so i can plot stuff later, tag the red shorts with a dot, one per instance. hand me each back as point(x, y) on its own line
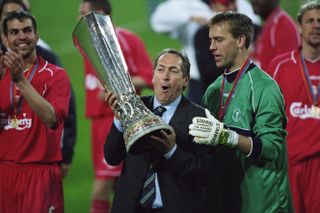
point(30, 188)
point(304, 184)
point(99, 130)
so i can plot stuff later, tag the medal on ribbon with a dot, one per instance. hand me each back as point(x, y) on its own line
point(313, 95)
point(15, 122)
point(315, 111)
point(242, 71)
point(16, 100)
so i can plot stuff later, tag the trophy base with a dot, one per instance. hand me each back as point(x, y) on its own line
point(135, 135)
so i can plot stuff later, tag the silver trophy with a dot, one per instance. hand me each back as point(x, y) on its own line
point(96, 40)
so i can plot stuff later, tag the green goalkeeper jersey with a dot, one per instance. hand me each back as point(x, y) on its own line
point(257, 183)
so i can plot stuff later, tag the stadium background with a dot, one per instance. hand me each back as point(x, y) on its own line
point(56, 21)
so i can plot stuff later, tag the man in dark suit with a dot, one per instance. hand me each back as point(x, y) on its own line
point(182, 167)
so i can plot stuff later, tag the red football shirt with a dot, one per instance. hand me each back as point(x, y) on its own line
point(303, 127)
point(138, 62)
point(32, 141)
point(279, 35)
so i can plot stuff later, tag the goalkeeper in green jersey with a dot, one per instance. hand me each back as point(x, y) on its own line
point(247, 124)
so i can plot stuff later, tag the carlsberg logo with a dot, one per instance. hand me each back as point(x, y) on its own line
point(22, 123)
point(298, 110)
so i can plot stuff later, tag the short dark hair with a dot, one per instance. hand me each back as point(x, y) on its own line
point(239, 24)
point(185, 67)
point(19, 2)
point(310, 5)
point(20, 15)
point(103, 5)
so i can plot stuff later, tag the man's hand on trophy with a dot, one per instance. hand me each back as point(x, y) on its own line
point(161, 141)
point(112, 101)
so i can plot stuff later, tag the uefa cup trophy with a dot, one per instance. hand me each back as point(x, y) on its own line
point(96, 40)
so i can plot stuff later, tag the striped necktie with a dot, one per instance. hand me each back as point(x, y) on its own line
point(148, 191)
point(159, 110)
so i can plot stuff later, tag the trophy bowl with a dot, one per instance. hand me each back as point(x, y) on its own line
point(94, 36)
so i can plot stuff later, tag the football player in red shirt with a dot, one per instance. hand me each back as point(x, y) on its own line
point(33, 106)
point(297, 73)
point(278, 34)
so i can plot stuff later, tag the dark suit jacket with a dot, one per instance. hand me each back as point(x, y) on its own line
point(182, 178)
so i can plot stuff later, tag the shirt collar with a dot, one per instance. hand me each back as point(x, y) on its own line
point(173, 104)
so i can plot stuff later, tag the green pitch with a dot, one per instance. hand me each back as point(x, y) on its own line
point(56, 20)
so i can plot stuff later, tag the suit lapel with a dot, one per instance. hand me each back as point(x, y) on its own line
point(180, 114)
point(179, 123)
point(148, 101)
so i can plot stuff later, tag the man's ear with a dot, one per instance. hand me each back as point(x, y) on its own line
point(37, 35)
point(186, 81)
point(242, 41)
point(299, 28)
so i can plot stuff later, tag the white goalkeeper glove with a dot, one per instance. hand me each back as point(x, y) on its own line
point(208, 130)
